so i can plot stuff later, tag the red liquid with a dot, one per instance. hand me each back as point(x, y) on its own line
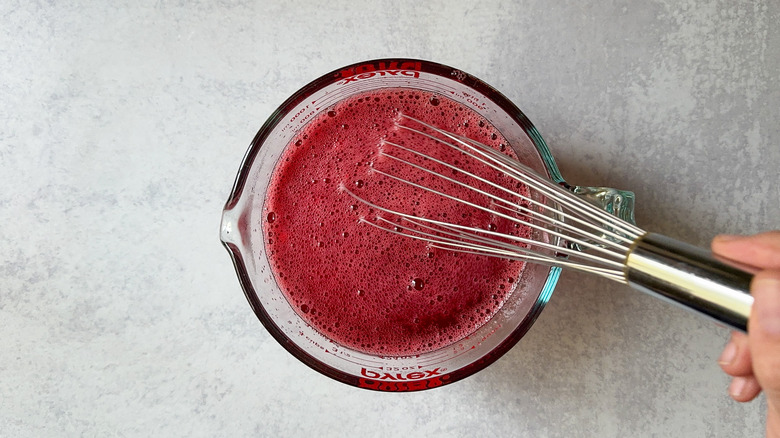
point(365, 288)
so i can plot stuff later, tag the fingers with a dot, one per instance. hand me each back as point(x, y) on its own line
point(754, 360)
point(735, 359)
point(744, 389)
point(764, 332)
point(760, 250)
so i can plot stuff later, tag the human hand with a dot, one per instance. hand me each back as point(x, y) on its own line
point(753, 359)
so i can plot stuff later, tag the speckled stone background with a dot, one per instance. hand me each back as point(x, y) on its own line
point(122, 125)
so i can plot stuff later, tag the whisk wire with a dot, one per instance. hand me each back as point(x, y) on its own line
point(524, 174)
point(558, 224)
point(468, 234)
point(556, 215)
point(537, 227)
point(462, 236)
point(512, 252)
point(559, 228)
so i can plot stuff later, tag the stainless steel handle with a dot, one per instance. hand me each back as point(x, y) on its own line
point(690, 277)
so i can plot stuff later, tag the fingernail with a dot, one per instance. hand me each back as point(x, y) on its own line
point(728, 237)
point(737, 386)
point(728, 355)
point(766, 292)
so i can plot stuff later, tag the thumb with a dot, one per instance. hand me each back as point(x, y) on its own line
point(764, 334)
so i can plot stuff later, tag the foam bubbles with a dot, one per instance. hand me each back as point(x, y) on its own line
point(365, 288)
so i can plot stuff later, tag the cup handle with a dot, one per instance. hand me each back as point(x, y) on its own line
point(617, 202)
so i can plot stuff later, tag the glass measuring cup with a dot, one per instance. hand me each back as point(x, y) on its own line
point(241, 230)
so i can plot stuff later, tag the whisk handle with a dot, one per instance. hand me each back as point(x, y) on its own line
point(690, 277)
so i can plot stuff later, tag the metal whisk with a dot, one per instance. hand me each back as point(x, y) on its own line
point(568, 231)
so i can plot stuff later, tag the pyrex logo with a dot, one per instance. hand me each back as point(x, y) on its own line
point(413, 74)
point(401, 382)
point(391, 68)
point(414, 375)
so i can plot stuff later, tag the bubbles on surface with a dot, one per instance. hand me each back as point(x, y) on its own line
point(363, 288)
